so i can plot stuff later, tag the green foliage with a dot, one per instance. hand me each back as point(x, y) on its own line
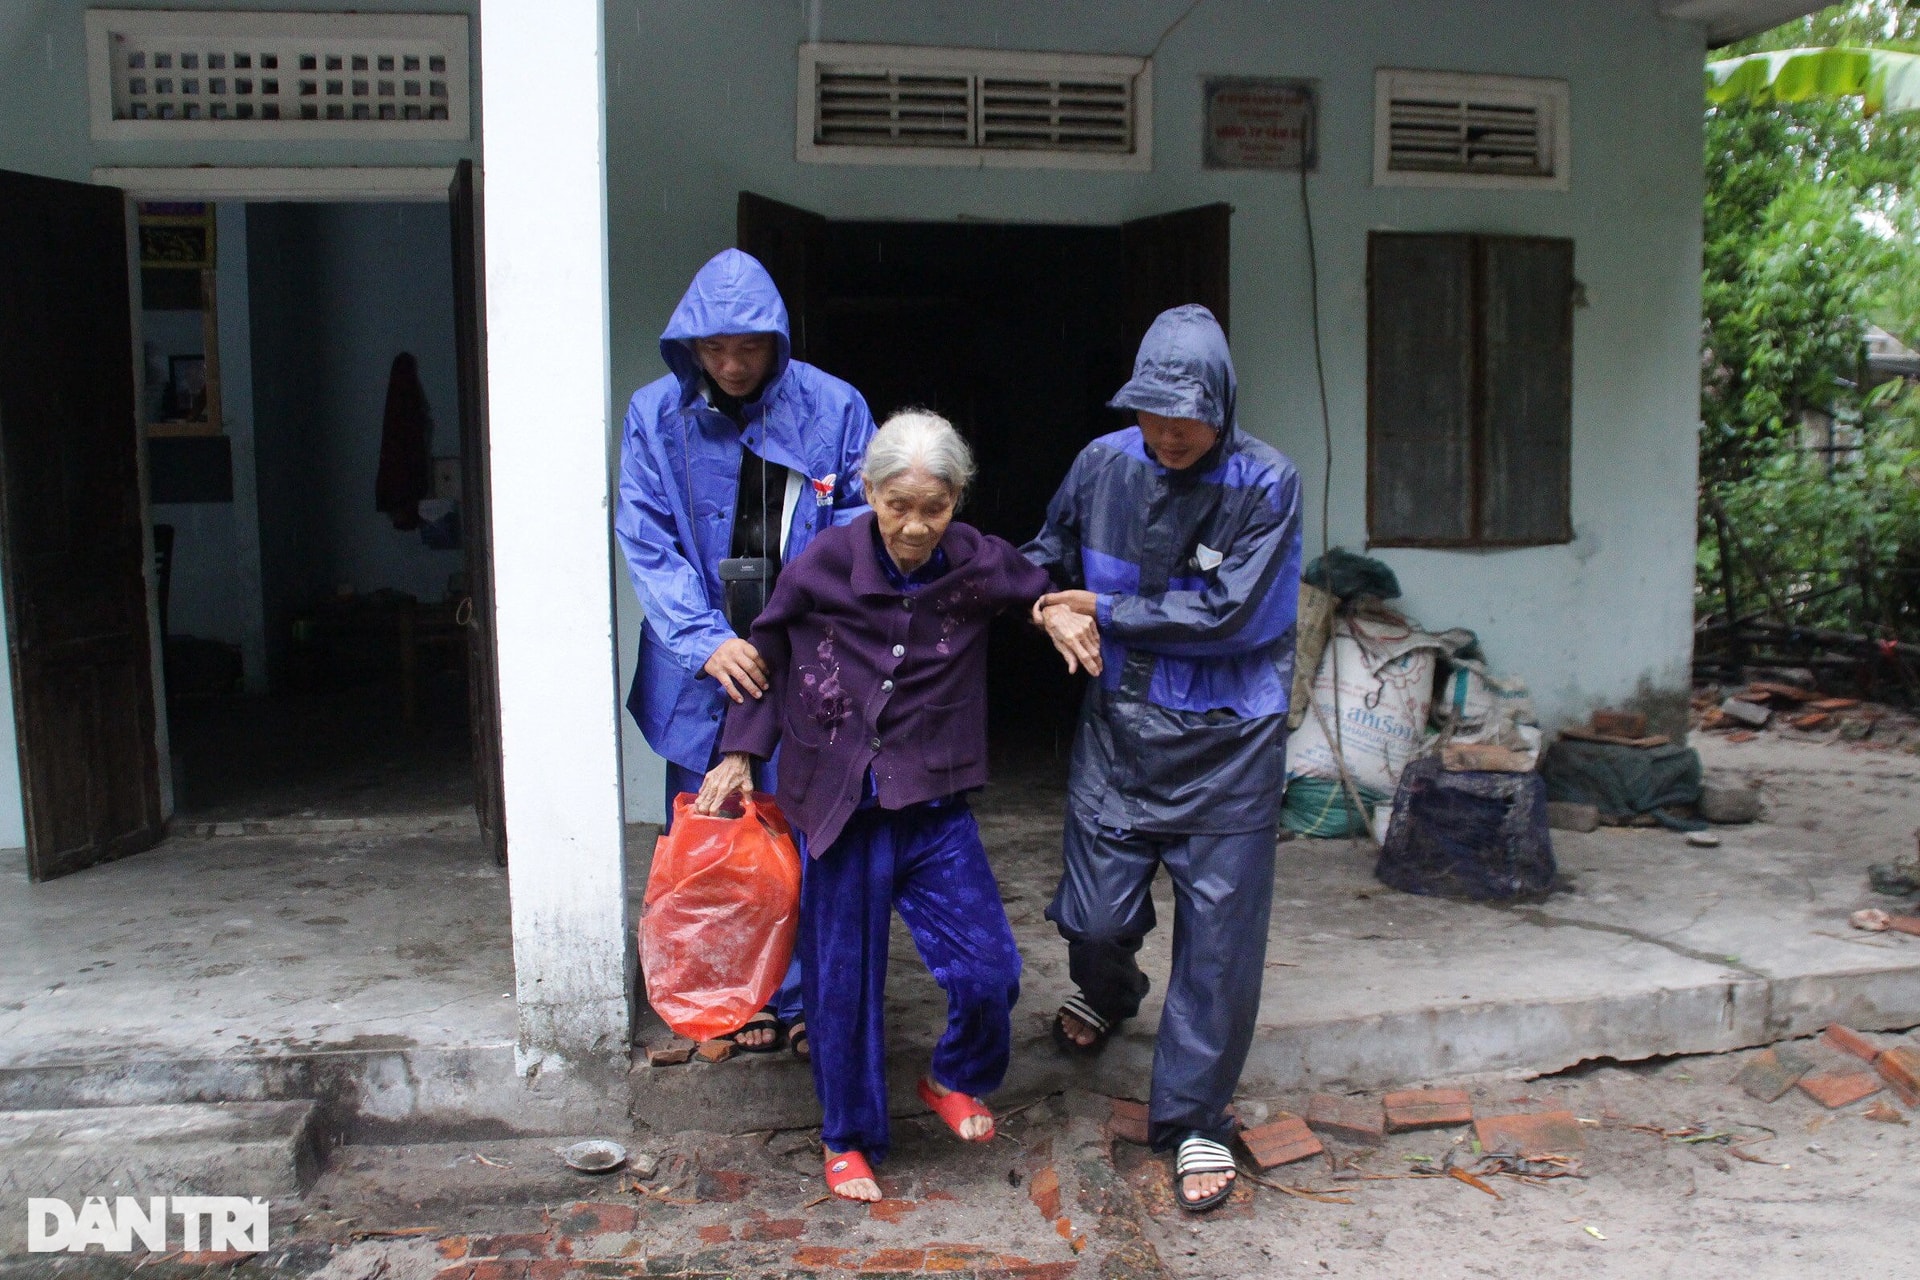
point(1811, 225)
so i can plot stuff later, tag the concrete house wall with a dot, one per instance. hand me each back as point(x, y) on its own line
point(700, 105)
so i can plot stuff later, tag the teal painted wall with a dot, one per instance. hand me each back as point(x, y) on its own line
point(700, 104)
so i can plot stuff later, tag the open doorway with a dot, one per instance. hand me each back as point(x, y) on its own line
point(1017, 333)
point(304, 470)
point(306, 397)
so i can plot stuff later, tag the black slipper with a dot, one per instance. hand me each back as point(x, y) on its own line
point(797, 1041)
point(1076, 1007)
point(1197, 1155)
point(758, 1021)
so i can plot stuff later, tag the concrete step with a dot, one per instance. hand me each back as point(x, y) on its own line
point(274, 1150)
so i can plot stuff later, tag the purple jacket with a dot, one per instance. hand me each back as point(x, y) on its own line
point(866, 676)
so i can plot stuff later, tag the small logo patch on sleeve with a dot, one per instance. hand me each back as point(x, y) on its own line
point(823, 490)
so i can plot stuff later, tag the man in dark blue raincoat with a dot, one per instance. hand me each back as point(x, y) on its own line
point(730, 464)
point(1179, 540)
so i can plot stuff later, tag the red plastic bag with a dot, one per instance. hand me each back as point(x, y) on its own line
point(722, 909)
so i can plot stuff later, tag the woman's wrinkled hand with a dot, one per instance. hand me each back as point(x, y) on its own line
point(732, 776)
point(1075, 635)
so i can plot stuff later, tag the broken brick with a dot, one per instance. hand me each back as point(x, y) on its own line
point(715, 1050)
point(1282, 1140)
point(1536, 1133)
point(1426, 1109)
point(1849, 1041)
point(1901, 1068)
point(1063, 1227)
point(1044, 1190)
point(895, 1260)
point(955, 1257)
point(1835, 1089)
point(1809, 720)
point(819, 1256)
point(591, 1218)
point(1129, 1121)
point(1834, 704)
point(671, 1054)
point(1742, 735)
point(719, 1233)
point(1771, 1072)
point(1884, 1113)
point(1620, 724)
point(1354, 1119)
point(891, 1210)
point(773, 1229)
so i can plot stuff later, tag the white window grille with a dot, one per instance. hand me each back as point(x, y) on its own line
point(896, 104)
point(1448, 129)
point(166, 74)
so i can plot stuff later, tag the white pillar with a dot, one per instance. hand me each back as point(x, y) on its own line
point(544, 211)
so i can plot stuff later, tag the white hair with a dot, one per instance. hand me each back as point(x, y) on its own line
point(918, 438)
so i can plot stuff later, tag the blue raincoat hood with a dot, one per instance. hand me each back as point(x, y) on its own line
point(1183, 370)
point(731, 294)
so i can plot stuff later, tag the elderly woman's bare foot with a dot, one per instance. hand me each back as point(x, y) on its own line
point(965, 1115)
point(850, 1177)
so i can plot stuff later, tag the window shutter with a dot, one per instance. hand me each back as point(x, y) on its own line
point(1526, 440)
point(1469, 390)
point(1419, 389)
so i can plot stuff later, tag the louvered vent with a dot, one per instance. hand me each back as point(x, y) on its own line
point(1434, 129)
point(1061, 115)
point(1447, 135)
point(171, 74)
point(882, 108)
point(884, 104)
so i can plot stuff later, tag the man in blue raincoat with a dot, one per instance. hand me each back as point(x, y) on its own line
point(1178, 540)
point(729, 466)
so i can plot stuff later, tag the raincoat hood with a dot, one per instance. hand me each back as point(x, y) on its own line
point(731, 294)
point(1183, 370)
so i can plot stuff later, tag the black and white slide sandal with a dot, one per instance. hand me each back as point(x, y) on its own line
point(1076, 1007)
point(1198, 1155)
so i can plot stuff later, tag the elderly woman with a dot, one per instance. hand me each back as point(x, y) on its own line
point(876, 641)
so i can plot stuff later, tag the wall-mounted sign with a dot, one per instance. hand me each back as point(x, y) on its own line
point(1261, 123)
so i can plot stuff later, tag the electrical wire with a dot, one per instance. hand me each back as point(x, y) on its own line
point(1335, 739)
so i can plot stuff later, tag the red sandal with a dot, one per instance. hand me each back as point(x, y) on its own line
point(953, 1107)
point(847, 1167)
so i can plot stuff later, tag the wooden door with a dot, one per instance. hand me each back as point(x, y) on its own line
point(1172, 259)
point(72, 541)
point(788, 243)
point(476, 527)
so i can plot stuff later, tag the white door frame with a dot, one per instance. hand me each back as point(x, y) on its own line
point(418, 184)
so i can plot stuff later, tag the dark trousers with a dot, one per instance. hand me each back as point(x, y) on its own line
point(927, 863)
point(786, 1004)
point(1223, 895)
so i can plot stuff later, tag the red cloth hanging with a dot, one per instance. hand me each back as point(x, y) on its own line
point(406, 446)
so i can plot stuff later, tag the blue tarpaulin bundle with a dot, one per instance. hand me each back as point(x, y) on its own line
point(1481, 836)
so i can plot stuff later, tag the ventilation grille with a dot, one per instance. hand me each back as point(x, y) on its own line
point(1059, 115)
point(1436, 128)
point(159, 74)
point(881, 108)
point(1437, 135)
point(873, 104)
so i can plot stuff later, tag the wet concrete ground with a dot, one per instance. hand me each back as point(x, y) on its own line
point(1678, 1173)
